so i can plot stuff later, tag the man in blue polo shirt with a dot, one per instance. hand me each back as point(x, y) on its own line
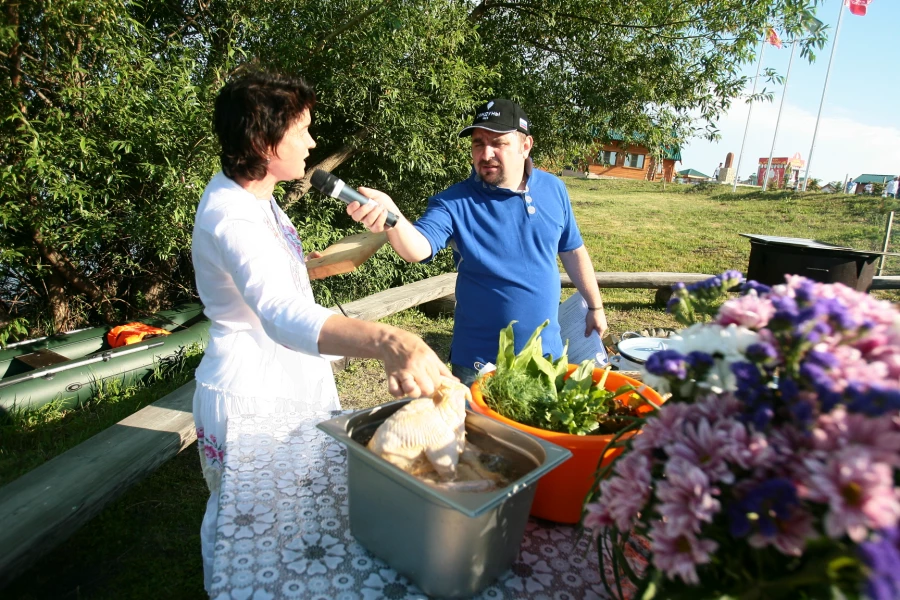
point(506, 224)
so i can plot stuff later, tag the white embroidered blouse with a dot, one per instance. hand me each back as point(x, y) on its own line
point(255, 289)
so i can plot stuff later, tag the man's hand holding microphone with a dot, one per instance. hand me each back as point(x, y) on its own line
point(377, 212)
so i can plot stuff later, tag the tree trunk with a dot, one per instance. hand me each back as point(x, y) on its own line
point(74, 278)
point(154, 286)
point(58, 300)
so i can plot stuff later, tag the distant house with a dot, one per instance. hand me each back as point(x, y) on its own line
point(632, 162)
point(862, 180)
point(784, 172)
point(693, 176)
point(830, 189)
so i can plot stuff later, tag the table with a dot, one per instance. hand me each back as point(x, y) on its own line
point(283, 529)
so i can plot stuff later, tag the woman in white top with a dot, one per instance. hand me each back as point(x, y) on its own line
point(268, 336)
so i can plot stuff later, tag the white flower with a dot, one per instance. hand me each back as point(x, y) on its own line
point(726, 345)
point(244, 520)
point(388, 584)
point(730, 342)
point(529, 574)
point(313, 553)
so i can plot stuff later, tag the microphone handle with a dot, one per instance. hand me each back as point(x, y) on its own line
point(348, 195)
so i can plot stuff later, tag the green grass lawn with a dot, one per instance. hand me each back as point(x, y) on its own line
point(146, 544)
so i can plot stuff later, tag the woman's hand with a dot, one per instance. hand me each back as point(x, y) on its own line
point(412, 367)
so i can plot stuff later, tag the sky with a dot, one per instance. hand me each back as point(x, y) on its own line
point(859, 131)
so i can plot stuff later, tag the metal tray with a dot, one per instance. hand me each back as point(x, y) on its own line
point(451, 544)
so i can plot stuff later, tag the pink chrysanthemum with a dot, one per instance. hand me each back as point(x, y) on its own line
point(747, 449)
point(748, 311)
point(623, 495)
point(660, 429)
point(839, 429)
point(859, 492)
point(705, 446)
point(678, 555)
point(685, 497)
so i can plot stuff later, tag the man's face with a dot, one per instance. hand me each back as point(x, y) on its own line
point(288, 161)
point(499, 158)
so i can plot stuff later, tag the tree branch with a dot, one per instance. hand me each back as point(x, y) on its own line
point(481, 10)
point(327, 164)
point(349, 25)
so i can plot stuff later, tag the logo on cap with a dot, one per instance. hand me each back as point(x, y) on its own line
point(490, 104)
point(523, 124)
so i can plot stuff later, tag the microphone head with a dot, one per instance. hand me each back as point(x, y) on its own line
point(324, 182)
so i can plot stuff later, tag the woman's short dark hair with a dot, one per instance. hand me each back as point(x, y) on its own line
point(252, 114)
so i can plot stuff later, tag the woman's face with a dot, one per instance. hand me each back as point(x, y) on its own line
point(288, 161)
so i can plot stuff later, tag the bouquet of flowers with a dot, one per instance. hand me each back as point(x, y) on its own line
point(772, 470)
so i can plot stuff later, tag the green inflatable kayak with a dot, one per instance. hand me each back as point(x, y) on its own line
point(69, 367)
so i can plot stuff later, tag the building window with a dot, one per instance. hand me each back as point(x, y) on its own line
point(635, 161)
point(606, 158)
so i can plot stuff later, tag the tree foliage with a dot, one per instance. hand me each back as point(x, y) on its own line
point(105, 138)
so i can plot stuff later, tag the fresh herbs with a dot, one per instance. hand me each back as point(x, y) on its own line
point(532, 389)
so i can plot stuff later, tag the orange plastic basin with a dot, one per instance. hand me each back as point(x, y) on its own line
point(561, 492)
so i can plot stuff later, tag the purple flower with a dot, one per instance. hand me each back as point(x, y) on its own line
point(755, 286)
point(785, 310)
point(882, 556)
point(790, 535)
point(667, 363)
point(803, 290)
point(762, 507)
point(747, 449)
point(874, 401)
point(762, 353)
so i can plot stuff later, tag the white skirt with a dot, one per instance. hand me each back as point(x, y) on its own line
point(212, 406)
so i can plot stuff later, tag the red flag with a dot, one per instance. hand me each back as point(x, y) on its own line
point(772, 37)
point(858, 7)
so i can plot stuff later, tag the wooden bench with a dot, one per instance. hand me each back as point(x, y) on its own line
point(45, 506)
point(886, 282)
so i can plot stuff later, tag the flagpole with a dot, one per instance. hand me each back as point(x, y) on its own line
point(778, 120)
point(737, 171)
point(837, 31)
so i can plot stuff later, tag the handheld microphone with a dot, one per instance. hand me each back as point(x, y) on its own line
point(330, 185)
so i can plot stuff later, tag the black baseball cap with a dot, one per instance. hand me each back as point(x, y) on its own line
point(499, 115)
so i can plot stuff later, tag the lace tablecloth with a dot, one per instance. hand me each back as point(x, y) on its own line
point(284, 530)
